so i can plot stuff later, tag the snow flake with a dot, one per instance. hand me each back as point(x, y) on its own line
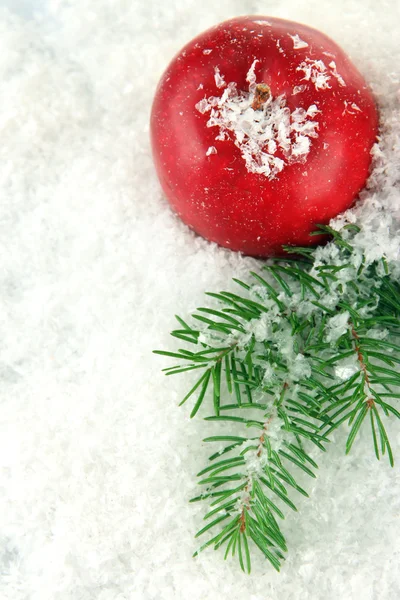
point(377, 334)
point(345, 371)
point(334, 72)
point(298, 89)
point(300, 368)
point(207, 51)
point(251, 76)
point(355, 108)
point(211, 150)
point(337, 326)
point(219, 79)
point(203, 106)
point(313, 110)
point(278, 45)
point(317, 72)
point(298, 43)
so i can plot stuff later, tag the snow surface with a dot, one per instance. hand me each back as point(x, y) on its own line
point(97, 463)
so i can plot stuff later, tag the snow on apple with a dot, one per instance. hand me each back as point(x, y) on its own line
point(263, 22)
point(334, 72)
point(298, 43)
point(298, 89)
point(211, 150)
point(317, 72)
point(219, 79)
point(261, 135)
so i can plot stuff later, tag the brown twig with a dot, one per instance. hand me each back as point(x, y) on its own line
point(363, 367)
point(262, 437)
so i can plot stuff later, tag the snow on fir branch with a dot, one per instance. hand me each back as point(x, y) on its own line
point(310, 344)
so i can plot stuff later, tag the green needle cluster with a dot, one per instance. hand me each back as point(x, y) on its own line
point(308, 345)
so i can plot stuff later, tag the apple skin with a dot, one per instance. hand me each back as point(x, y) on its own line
point(216, 194)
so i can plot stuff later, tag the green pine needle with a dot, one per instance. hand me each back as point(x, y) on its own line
point(303, 349)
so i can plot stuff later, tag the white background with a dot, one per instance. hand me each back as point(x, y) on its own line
point(97, 462)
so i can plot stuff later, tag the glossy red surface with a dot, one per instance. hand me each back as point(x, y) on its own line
point(216, 195)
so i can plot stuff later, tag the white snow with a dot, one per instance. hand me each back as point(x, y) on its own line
point(251, 77)
point(298, 43)
point(315, 71)
point(354, 108)
point(298, 89)
point(318, 73)
point(300, 368)
point(345, 369)
point(97, 462)
point(278, 45)
point(265, 22)
point(334, 72)
point(259, 134)
point(337, 326)
point(219, 79)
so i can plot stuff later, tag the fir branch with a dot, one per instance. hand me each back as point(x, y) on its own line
point(307, 347)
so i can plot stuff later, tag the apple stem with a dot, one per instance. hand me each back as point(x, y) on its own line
point(261, 96)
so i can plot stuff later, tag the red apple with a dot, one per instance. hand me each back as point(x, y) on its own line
point(261, 129)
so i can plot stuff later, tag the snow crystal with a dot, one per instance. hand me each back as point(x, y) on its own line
point(207, 51)
point(254, 465)
point(329, 54)
point(274, 429)
point(203, 106)
point(219, 79)
point(251, 77)
point(298, 89)
point(318, 73)
point(300, 368)
point(263, 23)
point(301, 146)
point(211, 150)
point(261, 328)
point(337, 326)
point(298, 43)
point(334, 72)
point(315, 71)
point(354, 108)
point(345, 369)
point(312, 110)
point(269, 374)
point(278, 45)
point(259, 134)
point(377, 334)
